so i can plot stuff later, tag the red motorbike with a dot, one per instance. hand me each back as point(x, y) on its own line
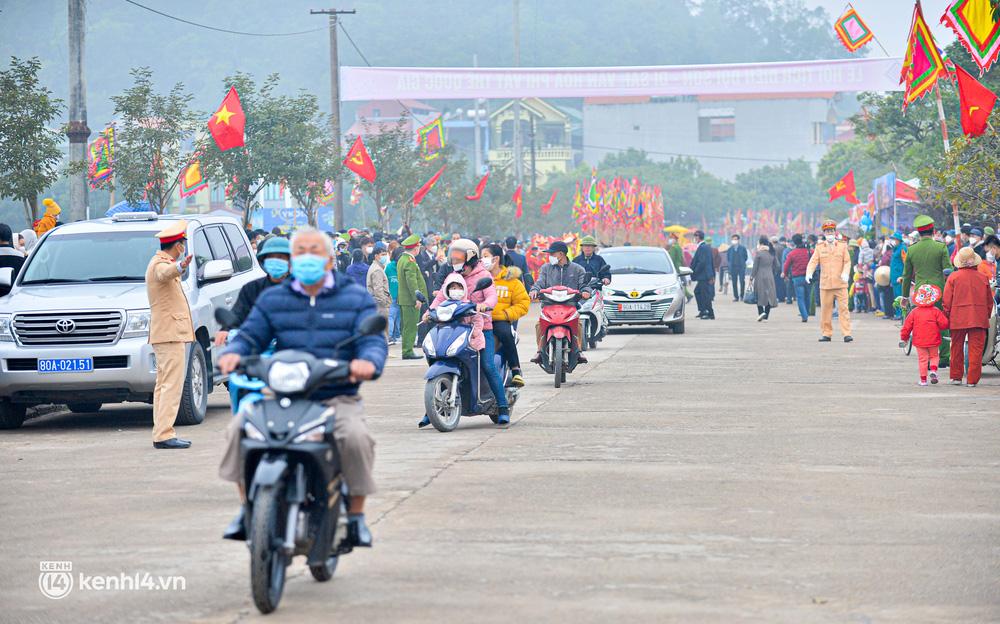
point(559, 323)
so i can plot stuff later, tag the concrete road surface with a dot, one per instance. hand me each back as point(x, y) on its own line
point(741, 472)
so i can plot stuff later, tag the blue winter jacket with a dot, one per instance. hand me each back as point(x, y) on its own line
point(359, 273)
point(314, 325)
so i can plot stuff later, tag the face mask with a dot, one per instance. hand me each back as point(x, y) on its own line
point(948, 239)
point(735, 241)
point(458, 266)
point(990, 257)
point(456, 294)
point(487, 263)
point(309, 269)
point(368, 250)
point(553, 260)
point(973, 241)
point(433, 249)
point(383, 260)
point(276, 267)
point(831, 237)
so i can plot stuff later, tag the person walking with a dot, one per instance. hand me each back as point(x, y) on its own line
point(926, 261)
point(170, 331)
point(737, 256)
point(393, 277)
point(703, 272)
point(762, 279)
point(834, 264)
point(794, 269)
point(723, 278)
point(377, 282)
point(411, 281)
point(967, 302)
point(10, 258)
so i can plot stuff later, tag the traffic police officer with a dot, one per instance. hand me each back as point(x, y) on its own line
point(834, 263)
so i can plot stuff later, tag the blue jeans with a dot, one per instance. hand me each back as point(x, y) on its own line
point(799, 283)
point(394, 322)
point(492, 374)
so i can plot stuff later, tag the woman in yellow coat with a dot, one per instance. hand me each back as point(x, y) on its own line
point(50, 218)
point(512, 304)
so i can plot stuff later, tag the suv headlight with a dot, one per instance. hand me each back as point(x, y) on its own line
point(6, 331)
point(287, 377)
point(607, 291)
point(136, 324)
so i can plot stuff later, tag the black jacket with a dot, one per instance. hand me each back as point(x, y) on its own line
point(248, 297)
point(596, 265)
point(10, 258)
point(702, 268)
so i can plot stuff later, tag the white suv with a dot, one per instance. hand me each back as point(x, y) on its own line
point(75, 327)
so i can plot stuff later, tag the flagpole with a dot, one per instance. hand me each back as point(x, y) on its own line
point(947, 147)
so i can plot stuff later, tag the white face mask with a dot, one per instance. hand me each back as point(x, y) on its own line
point(735, 241)
point(433, 249)
point(973, 241)
point(368, 250)
point(458, 266)
point(990, 257)
point(831, 237)
point(488, 263)
point(456, 294)
point(553, 260)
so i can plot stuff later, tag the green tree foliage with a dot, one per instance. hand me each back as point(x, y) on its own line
point(152, 130)
point(29, 147)
point(399, 169)
point(855, 154)
point(782, 189)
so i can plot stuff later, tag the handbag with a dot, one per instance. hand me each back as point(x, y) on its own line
point(750, 296)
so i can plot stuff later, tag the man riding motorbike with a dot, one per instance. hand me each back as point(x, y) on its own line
point(560, 272)
point(313, 312)
point(592, 261)
point(273, 257)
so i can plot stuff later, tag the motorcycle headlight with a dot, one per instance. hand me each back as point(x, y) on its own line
point(136, 324)
point(666, 290)
point(315, 434)
point(288, 377)
point(428, 345)
point(456, 344)
point(6, 334)
point(252, 432)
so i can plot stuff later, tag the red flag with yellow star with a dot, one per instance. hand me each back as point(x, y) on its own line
point(227, 123)
point(977, 103)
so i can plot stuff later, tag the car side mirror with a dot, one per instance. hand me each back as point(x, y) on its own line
point(217, 270)
point(483, 284)
point(684, 271)
point(6, 276)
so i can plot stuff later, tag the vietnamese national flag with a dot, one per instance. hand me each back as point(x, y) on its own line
point(548, 206)
point(844, 188)
point(977, 103)
point(360, 162)
point(423, 190)
point(479, 188)
point(517, 202)
point(226, 124)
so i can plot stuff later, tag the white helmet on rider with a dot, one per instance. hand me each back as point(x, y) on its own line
point(462, 253)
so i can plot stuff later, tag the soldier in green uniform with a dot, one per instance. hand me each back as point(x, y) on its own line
point(411, 280)
point(926, 262)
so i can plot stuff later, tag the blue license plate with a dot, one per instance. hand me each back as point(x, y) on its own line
point(66, 365)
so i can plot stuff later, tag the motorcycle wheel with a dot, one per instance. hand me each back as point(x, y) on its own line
point(557, 361)
point(584, 334)
point(267, 561)
point(324, 571)
point(437, 391)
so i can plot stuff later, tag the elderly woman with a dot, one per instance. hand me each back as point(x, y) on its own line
point(967, 303)
point(762, 279)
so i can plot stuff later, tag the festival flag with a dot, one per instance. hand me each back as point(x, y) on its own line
point(974, 24)
point(592, 194)
point(191, 179)
point(423, 190)
point(923, 64)
point(431, 139)
point(101, 155)
point(976, 101)
point(904, 192)
point(546, 207)
point(360, 162)
point(517, 203)
point(480, 187)
point(844, 188)
point(852, 30)
point(356, 192)
point(226, 124)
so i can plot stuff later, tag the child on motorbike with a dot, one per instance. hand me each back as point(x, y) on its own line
point(926, 323)
point(454, 289)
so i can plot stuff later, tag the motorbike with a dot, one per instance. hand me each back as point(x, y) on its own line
point(242, 387)
point(558, 326)
point(456, 383)
point(593, 322)
point(296, 495)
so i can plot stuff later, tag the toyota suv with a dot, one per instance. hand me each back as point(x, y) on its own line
point(75, 327)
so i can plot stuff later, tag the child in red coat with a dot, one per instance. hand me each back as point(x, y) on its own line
point(925, 322)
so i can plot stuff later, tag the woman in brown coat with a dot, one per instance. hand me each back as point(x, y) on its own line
point(967, 302)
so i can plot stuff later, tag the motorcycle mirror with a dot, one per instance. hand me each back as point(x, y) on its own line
point(226, 318)
point(419, 296)
point(374, 324)
point(483, 284)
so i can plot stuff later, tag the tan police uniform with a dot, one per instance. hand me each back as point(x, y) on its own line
point(833, 260)
point(170, 329)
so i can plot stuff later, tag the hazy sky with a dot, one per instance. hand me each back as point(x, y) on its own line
point(890, 20)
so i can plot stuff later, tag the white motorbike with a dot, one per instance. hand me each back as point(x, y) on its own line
point(593, 321)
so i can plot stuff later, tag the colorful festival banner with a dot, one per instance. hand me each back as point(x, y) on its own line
point(191, 179)
point(431, 139)
point(923, 64)
point(852, 30)
point(100, 159)
point(973, 23)
point(619, 205)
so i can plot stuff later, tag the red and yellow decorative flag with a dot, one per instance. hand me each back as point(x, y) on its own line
point(423, 190)
point(480, 187)
point(431, 139)
point(360, 162)
point(517, 203)
point(227, 123)
point(979, 32)
point(977, 103)
point(844, 188)
point(923, 64)
point(100, 161)
point(191, 179)
point(547, 206)
point(852, 30)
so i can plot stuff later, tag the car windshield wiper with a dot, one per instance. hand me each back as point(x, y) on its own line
point(118, 278)
point(52, 280)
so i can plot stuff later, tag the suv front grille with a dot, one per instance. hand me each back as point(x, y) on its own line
point(70, 328)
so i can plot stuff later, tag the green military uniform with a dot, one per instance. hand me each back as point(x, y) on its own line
point(411, 280)
point(677, 257)
point(926, 261)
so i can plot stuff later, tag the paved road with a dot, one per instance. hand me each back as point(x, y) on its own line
point(739, 473)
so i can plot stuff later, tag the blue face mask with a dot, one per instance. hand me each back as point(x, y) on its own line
point(277, 268)
point(383, 260)
point(308, 268)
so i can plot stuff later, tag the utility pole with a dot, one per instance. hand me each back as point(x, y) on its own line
point(338, 194)
point(533, 180)
point(77, 130)
point(518, 160)
point(477, 140)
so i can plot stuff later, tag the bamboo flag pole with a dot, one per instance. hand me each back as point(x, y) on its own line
point(947, 148)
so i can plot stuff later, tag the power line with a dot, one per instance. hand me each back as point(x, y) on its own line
point(354, 45)
point(749, 158)
point(223, 30)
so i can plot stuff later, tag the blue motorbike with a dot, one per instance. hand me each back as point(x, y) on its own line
point(456, 380)
point(242, 387)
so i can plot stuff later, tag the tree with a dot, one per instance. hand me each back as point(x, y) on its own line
point(400, 170)
point(310, 159)
point(859, 155)
point(29, 148)
point(782, 188)
point(152, 130)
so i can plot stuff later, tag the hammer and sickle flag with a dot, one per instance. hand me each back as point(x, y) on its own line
point(977, 103)
point(844, 188)
point(360, 162)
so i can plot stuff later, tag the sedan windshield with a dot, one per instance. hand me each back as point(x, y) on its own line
point(91, 257)
point(636, 261)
